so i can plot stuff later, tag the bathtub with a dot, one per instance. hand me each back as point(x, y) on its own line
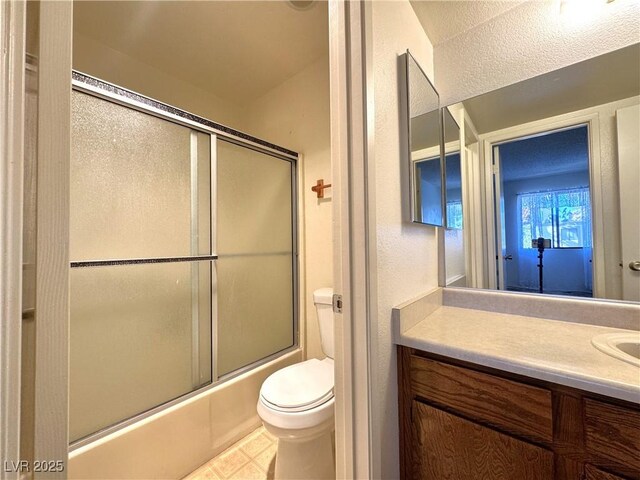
point(173, 442)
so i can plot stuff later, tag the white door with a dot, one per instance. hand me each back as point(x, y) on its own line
point(628, 120)
point(501, 254)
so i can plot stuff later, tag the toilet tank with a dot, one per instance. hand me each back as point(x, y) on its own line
point(323, 299)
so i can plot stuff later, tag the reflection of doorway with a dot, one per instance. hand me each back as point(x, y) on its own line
point(542, 189)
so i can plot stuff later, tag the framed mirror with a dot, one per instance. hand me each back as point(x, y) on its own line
point(552, 166)
point(425, 160)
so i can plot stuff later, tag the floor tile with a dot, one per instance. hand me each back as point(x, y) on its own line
point(256, 444)
point(249, 472)
point(252, 457)
point(203, 473)
point(229, 462)
point(274, 439)
point(267, 459)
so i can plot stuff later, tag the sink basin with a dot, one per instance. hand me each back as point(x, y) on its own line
point(623, 346)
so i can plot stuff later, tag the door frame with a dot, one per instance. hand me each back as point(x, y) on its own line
point(50, 410)
point(628, 159)
point(498, 197)
point(12, 92)
point(352, 130)
point(541, 127)
point(51, 438)
point(351, 144)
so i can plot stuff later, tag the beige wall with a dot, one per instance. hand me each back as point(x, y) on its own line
point(296, 115)
point(528, 40)
point(407, 255)
point(454, 257)
point(99, 60)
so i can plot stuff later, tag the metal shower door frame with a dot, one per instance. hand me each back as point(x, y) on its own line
point(112, 93)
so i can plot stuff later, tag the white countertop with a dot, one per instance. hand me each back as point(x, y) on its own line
point(552, 350)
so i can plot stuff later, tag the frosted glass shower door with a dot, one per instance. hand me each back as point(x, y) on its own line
point(140, 237)
point(256, 257)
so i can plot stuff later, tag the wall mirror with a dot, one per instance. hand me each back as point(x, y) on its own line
point(425, 162)
point(550, 169)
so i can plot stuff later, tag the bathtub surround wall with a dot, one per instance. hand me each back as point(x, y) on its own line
point(407, 254)
point(181, 438)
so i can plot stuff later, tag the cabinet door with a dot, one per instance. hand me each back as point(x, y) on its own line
point(612, 434)
point(593, 473)
point(446, 446)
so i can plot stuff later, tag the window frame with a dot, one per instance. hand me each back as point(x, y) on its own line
point(555, 217)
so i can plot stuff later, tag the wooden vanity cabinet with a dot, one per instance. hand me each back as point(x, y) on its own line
point(593, 473)
point(462, 421)
point(449, 446)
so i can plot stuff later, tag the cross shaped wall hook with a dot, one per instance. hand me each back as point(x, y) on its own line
point(319, 188)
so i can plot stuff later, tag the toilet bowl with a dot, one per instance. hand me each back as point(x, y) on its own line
point(296, 406)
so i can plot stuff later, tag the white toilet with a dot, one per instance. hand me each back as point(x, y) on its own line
point(296, 405)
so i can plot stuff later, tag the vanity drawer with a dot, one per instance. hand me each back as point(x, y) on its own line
point(612, 432)
point(505, 404)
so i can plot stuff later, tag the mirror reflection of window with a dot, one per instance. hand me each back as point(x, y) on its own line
point(563, 216)
point(429, 190)
point(454, 215)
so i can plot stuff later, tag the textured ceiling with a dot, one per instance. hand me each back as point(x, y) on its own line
point(597, 81)
point(557, 153)
point(446, 19)
point(530, 39)
point(237, 50)
point(423, 98)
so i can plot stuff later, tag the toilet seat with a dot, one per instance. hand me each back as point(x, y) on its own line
point(299, 396)
point(299, 387)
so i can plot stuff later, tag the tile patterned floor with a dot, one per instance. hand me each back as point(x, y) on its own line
point(252, 458)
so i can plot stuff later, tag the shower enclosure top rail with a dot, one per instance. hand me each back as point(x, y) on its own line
point(87, 83)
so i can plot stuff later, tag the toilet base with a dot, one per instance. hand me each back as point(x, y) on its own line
point(309, 459)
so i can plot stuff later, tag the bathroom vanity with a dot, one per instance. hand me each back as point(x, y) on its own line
point(486, 393)
point(461, 420)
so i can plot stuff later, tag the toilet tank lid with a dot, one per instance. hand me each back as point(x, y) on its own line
point(323, 296)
